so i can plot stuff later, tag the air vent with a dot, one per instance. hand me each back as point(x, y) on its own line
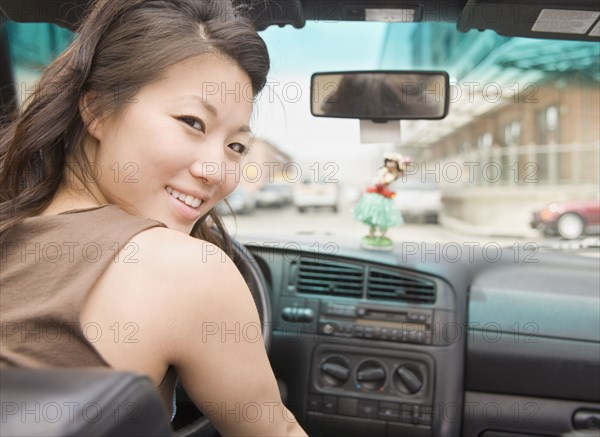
point(329, 278)
point(390, 285)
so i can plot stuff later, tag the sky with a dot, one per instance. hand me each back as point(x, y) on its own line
point(283, 111)
point(319, 45)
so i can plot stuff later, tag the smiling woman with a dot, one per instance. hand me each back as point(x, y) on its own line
point(124, 150)
point(186, 150)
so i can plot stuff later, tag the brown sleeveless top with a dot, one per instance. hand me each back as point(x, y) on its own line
point(48, 266)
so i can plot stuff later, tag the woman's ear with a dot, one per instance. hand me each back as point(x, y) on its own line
point(92, 123)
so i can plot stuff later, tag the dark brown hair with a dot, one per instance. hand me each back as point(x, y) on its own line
point(121, 46)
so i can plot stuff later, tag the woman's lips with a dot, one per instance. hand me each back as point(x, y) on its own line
point(186, 211)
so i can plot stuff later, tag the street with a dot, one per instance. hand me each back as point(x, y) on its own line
point(288, 221)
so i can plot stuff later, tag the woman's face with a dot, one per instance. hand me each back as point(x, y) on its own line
point(176, 150)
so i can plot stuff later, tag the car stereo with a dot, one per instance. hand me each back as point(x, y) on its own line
point(364, 321)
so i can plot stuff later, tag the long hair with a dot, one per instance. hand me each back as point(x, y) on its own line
point(121, 46)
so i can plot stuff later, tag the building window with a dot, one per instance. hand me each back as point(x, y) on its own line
point(512, 134)
point(485, 141)
point(484, 146)
point(548, 133)
point(548, 125)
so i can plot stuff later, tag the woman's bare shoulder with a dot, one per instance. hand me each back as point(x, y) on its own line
point(168, 282)
point(185, 267)
point(175, 249)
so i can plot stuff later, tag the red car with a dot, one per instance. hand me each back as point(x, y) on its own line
point(569, 219)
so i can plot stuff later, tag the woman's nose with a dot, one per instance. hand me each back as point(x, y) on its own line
point(212, 166)
point(208, 171)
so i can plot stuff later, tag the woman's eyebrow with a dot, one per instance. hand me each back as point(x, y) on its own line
point(210, 108)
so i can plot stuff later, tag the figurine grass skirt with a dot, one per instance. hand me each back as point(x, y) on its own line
point(376, 210)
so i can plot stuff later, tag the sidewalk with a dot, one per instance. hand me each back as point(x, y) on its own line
point(520, 231)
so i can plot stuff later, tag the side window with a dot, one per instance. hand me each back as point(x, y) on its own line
point(32, 47)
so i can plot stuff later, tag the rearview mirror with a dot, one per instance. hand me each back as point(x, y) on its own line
point(380, 95)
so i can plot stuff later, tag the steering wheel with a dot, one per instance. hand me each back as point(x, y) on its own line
point(252, 274)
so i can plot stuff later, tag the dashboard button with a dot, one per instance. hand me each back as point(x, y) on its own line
point(428, 338)
point(347, 406)
point(327, 328)
point(367, 409)
point(388, 411)
point(314, 402)
point(305, 315)
point(412, 317)
point(329, 405)
point(406, 413)
point(416, 414)
point(426, 419)
point(288, 314)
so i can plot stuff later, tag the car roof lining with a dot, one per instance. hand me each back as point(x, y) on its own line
point(508, 18)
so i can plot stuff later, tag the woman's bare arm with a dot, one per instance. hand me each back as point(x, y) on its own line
point(212, 332)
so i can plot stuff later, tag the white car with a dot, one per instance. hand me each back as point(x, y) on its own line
point(417, 199)
point(311, 194)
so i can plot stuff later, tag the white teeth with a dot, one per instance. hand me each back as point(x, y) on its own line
point(192, 201)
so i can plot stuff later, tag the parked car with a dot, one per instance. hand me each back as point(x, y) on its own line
point(569, 219)
point(241, 201)
point(311, 194)
point(417, 199)
point(274, 194)
point(436, 339)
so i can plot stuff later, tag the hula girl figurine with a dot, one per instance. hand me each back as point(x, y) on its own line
point(376, 206)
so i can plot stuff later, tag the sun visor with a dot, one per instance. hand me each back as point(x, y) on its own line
point(553, 19)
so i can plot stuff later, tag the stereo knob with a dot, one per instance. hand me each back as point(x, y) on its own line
point(408, 379)
point(328, 328)
point(335, 371)
point(371, 375)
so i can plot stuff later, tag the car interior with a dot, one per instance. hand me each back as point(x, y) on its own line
point(409, 342)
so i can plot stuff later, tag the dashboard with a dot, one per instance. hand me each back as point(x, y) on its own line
point(424, 344)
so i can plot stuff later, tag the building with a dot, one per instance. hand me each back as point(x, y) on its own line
point(514, 123)
point(266, 163)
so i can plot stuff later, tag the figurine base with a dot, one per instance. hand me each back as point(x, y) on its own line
point(377, 243)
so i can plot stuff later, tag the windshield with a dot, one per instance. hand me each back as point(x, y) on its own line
point(515, 160)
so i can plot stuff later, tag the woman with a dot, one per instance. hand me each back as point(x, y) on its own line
point(109, 175)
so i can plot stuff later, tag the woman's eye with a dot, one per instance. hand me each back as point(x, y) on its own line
point(238, 148)
point(193, 122)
